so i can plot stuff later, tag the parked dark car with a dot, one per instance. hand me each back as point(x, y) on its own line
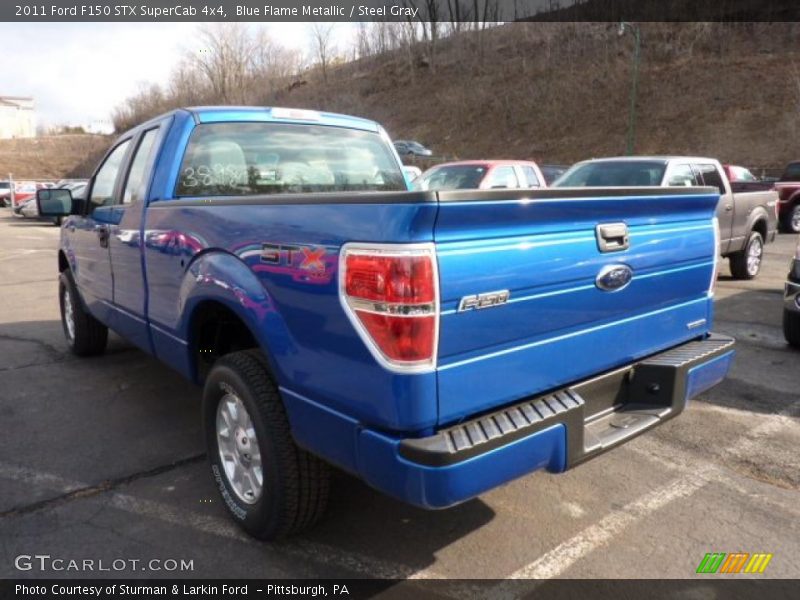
point(410, 148)
point(791, 306)
point(788, 187)
point(552, 172)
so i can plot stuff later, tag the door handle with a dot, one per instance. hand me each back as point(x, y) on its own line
point(728, 207)
point(102, 235)
point(612, 237)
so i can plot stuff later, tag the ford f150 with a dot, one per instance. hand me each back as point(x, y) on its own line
point(435, 344)
point(748, 218)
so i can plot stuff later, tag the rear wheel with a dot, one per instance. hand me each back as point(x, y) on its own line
point(747, 263)
point(791, 220)
point(791, 327)
point(271, 487)
point(85, 335)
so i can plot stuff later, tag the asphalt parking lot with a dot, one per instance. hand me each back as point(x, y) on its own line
point(103, 458)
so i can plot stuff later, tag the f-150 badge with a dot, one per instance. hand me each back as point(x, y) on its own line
point(485, 300)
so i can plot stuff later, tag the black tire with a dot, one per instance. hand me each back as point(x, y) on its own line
point(89, 336)
point(741, 265)
point(791, 327)
point(295, 487)
point(790, 222)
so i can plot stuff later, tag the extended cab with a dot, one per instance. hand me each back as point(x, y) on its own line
point(747, 219)
point(435, 344)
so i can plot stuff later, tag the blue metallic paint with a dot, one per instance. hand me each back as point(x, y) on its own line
point(703, 377)
point(439, 487)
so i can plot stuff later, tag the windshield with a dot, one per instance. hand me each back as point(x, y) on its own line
point(454, 177)
point(240, 159)
point(792, 172)
point(609, 173)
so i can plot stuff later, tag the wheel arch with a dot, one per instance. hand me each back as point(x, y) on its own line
point(219, 290)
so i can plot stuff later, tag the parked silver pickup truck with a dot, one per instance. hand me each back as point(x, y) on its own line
point(747, 219)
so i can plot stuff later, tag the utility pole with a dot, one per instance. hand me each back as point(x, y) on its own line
point(634, 29)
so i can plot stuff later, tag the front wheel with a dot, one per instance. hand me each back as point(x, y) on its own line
point(791, 327)
point(85, 335)
point(271, 487)
point(746, 264)
point(791, 220)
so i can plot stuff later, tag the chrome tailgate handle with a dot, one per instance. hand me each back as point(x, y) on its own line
point(612, 237)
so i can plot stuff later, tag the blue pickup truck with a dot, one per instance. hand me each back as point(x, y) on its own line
point(435, 344)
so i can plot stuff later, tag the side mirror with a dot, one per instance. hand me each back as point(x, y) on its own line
point(54, 203)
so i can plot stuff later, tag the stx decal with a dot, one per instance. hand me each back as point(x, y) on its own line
point(309, 259)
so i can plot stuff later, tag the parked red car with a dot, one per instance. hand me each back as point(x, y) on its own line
point(482, 175)
point(24, 191)
point(788, 187)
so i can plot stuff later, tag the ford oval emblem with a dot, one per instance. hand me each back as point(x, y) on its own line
point(613, 278)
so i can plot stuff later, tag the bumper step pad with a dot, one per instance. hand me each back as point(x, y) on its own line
point(598, 413)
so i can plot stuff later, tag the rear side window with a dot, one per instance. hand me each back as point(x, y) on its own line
point(683, 175)
point(503, 177)
point(530, 175)
point(711, 177)
point(241, 159)
point(133, 187)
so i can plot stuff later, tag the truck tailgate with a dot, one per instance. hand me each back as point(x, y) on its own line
point(573, 310)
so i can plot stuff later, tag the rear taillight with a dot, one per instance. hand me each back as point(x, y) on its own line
point(717, 256)
point(390, 292)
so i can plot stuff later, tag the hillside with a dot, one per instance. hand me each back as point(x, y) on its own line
point(554, 92)
point(50, 157)
point(560, 92)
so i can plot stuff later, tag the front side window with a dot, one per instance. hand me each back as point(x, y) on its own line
point(243, 159)
point(106, 178)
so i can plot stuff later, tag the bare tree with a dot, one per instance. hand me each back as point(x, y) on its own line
point(226, 58)
point(322, 44)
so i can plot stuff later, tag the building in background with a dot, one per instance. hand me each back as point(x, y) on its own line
point(17, 117)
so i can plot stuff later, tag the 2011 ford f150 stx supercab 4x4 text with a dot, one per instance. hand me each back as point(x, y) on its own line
point(435, 344)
